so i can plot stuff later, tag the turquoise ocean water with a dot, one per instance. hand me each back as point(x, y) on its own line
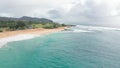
point(81, 47)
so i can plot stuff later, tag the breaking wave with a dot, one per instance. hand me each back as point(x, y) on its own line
point(97, 28)
point(20, 37)
point(81, 28)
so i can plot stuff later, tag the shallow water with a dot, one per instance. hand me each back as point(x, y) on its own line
point(89, 48)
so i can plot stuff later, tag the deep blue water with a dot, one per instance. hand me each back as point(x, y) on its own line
point(97, 48)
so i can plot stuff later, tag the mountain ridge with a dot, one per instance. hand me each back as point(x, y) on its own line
point(25, 18)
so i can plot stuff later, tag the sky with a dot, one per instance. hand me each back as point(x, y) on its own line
point(65, 11)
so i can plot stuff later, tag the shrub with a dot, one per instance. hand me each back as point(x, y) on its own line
point(1, 30)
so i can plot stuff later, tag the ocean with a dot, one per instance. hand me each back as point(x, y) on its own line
point(78, 47)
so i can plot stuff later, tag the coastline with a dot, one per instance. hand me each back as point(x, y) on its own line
point(18, 35)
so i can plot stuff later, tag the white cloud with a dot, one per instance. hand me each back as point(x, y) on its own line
point(79, 11)
point(95, 12)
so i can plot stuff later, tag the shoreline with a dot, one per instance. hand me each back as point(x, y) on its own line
point(11, 36)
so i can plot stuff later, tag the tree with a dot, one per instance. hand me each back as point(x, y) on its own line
point(20, 25)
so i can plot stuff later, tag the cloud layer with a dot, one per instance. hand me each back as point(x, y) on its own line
point(74, 11)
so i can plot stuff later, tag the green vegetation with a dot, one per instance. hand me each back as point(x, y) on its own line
point(1, 30)
point(37, 26)
point(20, 25)
point(51, 25)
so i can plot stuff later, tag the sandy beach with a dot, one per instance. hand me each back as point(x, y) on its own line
point(39, 31)
point(18, 35)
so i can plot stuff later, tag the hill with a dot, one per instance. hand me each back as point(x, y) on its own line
point(25, 18)
point(11, 24)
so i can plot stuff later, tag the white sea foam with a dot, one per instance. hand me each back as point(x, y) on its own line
point(96, 28)
point(4, 41)
point(79, 30)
